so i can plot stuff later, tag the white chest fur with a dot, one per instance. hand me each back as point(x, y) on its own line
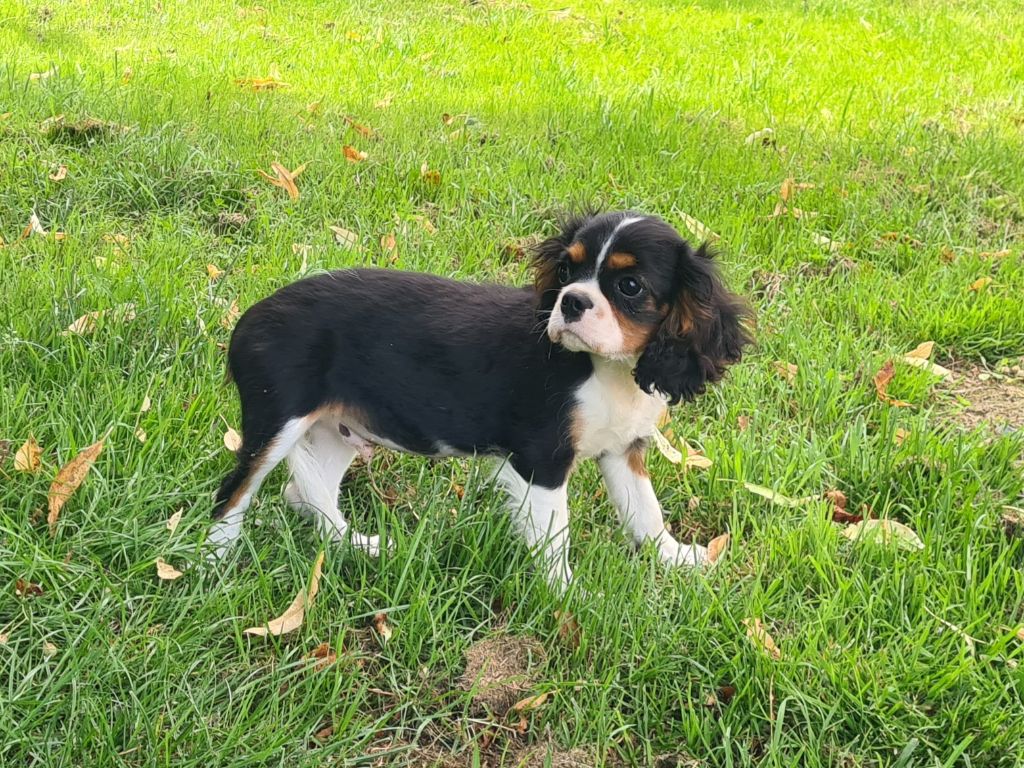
point(612, 411)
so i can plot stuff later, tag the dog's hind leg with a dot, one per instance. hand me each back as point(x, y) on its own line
point(318, 463)
point(261, 451)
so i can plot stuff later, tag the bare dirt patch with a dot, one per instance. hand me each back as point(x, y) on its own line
point(500, 670)
point(987, 400)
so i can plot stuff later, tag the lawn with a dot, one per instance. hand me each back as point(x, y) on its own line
point(901, 129)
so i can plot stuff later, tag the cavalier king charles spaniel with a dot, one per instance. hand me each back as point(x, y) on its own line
point(624, 319)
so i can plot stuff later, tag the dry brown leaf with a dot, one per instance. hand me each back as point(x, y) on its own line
point(146, 405)
point(530, 702)
point(323, 656)
point(231, 315)
point(214, 272)
point(787, 188)
point(788, 371)
point(569, 631)
point(284, 178)
point(698, 228)
point(87, 323)
point(759, 636)
point(271, 83)
point(232, 440)
point(900, 435)
point(363, 130)
point(60, 174)
point(68, 479)
point(173, 520)
point(23, 588)
point(429, 175)
point(919, 357)
point(980, 284)
point(324, 733)
point(881, 381)
point(994, 255)
point(140, 434)
point(34, 227)
point(887, 531)
point(345, 237)
point(665, 448)
point(922, 351)
point(49, 649)
point(293, 616)
point(352, 154)
point(380, 624)
point(717, 547)
point(826, 242)
point(28, 457)
point(695, 458)
point(389, 243)
point(167, 572)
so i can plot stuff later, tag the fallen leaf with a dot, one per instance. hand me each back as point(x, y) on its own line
point(881, 381)
point(284, 178)
point(167, 572)
point(37, 76)
point(271, 83)
point(569, 631)
point(214, 272)
point(87, 323)
point(60, 174)
point(146, 405)
point(314, 106)
point(119, 241)
point(788, 371)
point(665, 448)
point(430, 176)
point(427, 224)
point(889, 531)
point(324, 733)
point(994, 255)
point(922, 351)
point(698, 228)
point(743, 422)
point(28, 456)
point(759, 636)
point(4, 637)
point(717, 547)
point(695, 458)
point(49, 649)
point(352, 154)
point(231, 315)
point(389, 243)
point(380, 624)
point(530, 702)
point(34, 227)
point(839, 513)
point(24, 588)
point(826, 242)
point(720, 697)
point(384, 102)
point(363, 130)
point(777, 498)
point(173, 520)
point(293, 616)
point(140, 434)
point(900, 435)
point(323, 656)
point(763, 137)
point(345, 237)
point(918, 357)
point(68, 479)
point(980, 284)
point(232, 440)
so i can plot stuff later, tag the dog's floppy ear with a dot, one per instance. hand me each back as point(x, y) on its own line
point(703, 333)
point(546, 257)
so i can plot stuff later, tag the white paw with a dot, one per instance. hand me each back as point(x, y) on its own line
point(682, 555)
point(371, 545)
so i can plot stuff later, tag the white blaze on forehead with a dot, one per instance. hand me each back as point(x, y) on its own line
point(608, 243)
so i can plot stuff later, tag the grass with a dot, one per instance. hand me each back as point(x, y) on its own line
point(907, 119)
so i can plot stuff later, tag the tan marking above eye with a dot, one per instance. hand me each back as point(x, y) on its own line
point(619, 260)
point(577, 253)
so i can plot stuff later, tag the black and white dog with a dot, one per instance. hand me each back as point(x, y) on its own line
point(624, 319)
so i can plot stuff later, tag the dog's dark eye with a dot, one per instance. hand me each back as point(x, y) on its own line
point(563, 273)
point(630, 286)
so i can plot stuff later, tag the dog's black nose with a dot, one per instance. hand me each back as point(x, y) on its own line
point(574, 305)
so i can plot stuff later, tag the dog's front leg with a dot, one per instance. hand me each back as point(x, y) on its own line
point(630, 489)
point(542, 515)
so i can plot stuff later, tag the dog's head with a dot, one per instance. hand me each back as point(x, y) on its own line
point(627, 287)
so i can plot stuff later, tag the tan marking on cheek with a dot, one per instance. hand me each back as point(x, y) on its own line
point(635, 459)
point(635, 336)
point(619, 260)
point(577, 253)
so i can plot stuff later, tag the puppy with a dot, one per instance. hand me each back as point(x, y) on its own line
point(623, 320)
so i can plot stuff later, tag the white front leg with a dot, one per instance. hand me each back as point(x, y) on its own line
point(630, 489)
point(542, 515)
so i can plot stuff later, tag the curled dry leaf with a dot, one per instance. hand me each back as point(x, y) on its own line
point(569, 631)
point(881, 381)
point(884, 531)
point(980, 284)
point(173, 520)
point(352, 154)
point(759, 636)
point(788, 371)
point(762, 137)
point(49, 649)
point(429, 175)
point(231, 315)
point(284, 178)
point(530, 702)
point(68, 479)
point(665, 448)
point(363, 130)
point(23, 588)
point(27, 458)
point(322, 656)
point(87, 323)
point(271, 83)
point(777, 498)
point(60, 174)
point(389, 243)
point(293, 616)
point(346, 238)
point(698, 228)
point(232, 440)
point(839, 513)
point(214, 272)
point(166, 571)
point(919, 357)
point(380, 624)
point(717, 547)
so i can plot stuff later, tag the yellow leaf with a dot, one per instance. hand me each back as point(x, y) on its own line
point(167, 572)
point(232, 440)
point(777, 498)
point(430, 176)
point(759, 636)
point(786, 190)
point(68, 479)
point(314, 106)
point(695, 458)
point(146, 405)
point(140, 434)
point(980, 284)
point(87, 323)
point(427, 224)
point(888, 531)
point(293, 616)
point(231, 316)
point(261, 83)
point(665, 448)
point(363, 130)
point(215, 272)
point(717, 547)
point(389, 243)
point(60, 174)
point(27, 458)
point(345, 237)
point(788, 371)
point(284, 178)
point(922, 351)
point(531, 702)
point(173, 520)
point(698, 228)
point(37, 76)
point(352, 154)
